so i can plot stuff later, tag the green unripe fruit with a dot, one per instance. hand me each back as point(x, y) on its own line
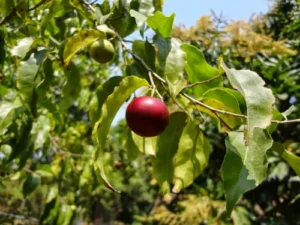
point(102, 51)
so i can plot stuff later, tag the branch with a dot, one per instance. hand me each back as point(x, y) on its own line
point(39, 4)
point(88, 5)
point(202, 82)
point(163, 81)
point(18, 217)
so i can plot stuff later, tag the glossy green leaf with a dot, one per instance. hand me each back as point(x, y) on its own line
point(79, 41)
point(192, 156)
point(290, 158)
point(167, 145)
point(221, 98)
point(161, 23)
point(26, 75)
point(52, 194)
point(199, 70)
point(23, 47)
point(108, 112)
point(103, 91)
point(72, 88)
point(31, 183)
point(147, 146)
point(244, 167)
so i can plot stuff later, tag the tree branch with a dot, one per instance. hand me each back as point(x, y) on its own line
point(17, 217)
point(163, 81)
point(202, 82)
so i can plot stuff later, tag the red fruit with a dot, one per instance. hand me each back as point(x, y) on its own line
point(147, 116)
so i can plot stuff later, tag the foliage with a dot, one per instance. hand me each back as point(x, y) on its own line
point(60, 152)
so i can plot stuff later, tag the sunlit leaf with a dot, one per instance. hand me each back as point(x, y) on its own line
point(26, 75)
point(161, 23)
point(167, 145)
point(147, 145)
point(290, 158)
point(22, 48)
point(259, 99)
point(221, 98)
point(199, 70)
point(130, 147)
point(192, 156)
point(79, 41)
point(103, 91)
point(108, 112)
point(40, 131)
point(244, 167)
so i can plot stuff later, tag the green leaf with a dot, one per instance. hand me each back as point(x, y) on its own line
point(221, 98)
point(2, 48)
point(276, 115)
point(40, 131)
point(161, 23)
point(52, 194)
point(146, 51)
point(72, 89)
point(192, 156)
point(171, 62)
point(140, 19)
point(56, 9)
point(24, 142)
point(121, 20)
point(130, 147)
point(65, 215)
point(79, 41)
point(199, 70)
point(44, 85)
point(23, 47)
point(158, 4)
point(109, 110)
point(146, 146)
point(244, 167)
point(290, 158)
point(47, 211)
point(259, 99)
point(31, 183)
point(26, 75)
point(167, 145)
point(103, 91)
point(6, 6)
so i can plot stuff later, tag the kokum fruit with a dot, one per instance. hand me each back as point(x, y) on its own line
point(102, 51)
point(147, 116)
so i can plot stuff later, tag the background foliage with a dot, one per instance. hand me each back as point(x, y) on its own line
point(48, 111)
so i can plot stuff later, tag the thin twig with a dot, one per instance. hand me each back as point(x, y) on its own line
point(202, 82)
point(18, 217)
point(88, 5)
point(39, 4)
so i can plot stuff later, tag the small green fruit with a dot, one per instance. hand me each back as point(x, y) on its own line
point(102, 51)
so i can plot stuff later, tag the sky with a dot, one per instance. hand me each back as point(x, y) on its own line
point(188, 11)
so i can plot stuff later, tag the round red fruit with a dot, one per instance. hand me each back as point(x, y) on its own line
point(147, 116)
